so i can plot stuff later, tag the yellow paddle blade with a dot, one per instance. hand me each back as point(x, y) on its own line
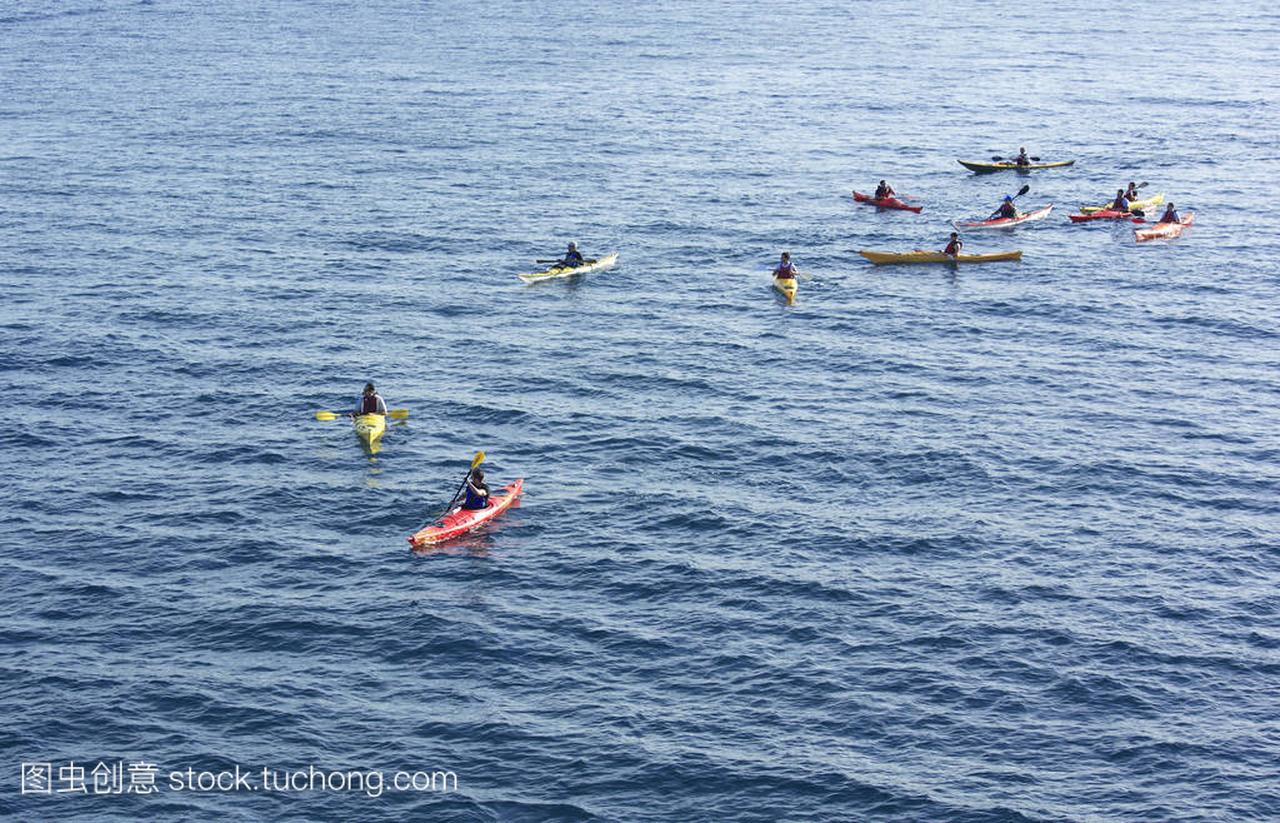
point(326, 415)
point(398, 414)
point(479, 458)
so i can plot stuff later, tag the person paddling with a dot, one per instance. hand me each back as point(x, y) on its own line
point(1170, 215)
point(786, 270)
point(884, 190)
point(572, 258)
point(1022, 159)
point(370, 402)
point(1121, 203)
point(1007, 210)
point(954, 246)
point(477, 490)
point(1131, 193)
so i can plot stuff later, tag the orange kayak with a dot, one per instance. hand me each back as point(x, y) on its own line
point(459, 521)
point(1161, 230)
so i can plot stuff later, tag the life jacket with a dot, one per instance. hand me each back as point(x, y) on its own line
point(1121, 203)
point(1170, 217)
point(882, 192)
point(573, 258)
point(369, 403)
point(954, 247)
point(476, 501)
point(785, 271)
point(1008, 210)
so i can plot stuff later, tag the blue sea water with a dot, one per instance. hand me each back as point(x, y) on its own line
point(991, 544)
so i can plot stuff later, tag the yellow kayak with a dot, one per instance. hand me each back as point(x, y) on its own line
point(1145, 203)
point(370, 428)
point(787, 286)
point(881, 258)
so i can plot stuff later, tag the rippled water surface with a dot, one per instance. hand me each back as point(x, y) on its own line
point(997, 543)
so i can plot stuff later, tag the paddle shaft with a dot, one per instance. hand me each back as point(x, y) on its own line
point(395, 414)
point(454, 499)
point(479, 458)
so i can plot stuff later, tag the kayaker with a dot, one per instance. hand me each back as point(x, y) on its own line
point(1006, 210)
point(1022, 159)
point(1121, 203)
point(370, 402)
point(786, 270)
point(884, 190)
point(1131, 193)
point(1170, 215)
point(954, 246)
point(572, 258)
point(477, 490)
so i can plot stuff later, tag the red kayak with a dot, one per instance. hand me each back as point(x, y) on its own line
point(1105, 214)
point(460, 521)
point(885, 202)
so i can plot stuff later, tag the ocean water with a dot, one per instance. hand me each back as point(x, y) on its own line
point(999, 543)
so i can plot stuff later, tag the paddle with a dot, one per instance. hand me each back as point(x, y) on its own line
point(475, 461)
point(586, 261)
point(1021, 192)
point(395, 414)
point(1032, 159)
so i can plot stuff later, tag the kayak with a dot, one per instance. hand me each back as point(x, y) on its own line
point(1105, 214)
point(1161, 230)
point(787, 286)
point(989, 168)
point(885, 202)
point(1145, 203)
point(881, 258)
point(568, 271)
point(459, 521)
point(1004, 222)
point(370, 428)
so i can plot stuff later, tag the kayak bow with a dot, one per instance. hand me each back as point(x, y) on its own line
point(787, 287)
point(370, 428)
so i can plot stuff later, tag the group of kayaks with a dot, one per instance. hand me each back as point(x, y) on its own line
point(1136, 212)
point(456, 520)
point(1087, 214)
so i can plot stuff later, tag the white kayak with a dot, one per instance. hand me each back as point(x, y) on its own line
point(568, 271)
